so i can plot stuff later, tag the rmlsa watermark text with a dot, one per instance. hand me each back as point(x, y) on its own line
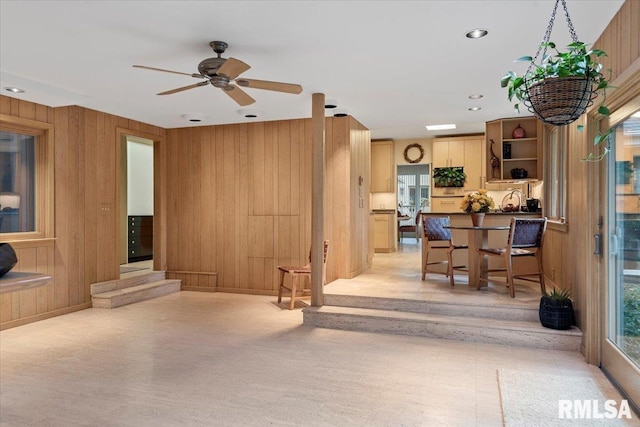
point(593, 409)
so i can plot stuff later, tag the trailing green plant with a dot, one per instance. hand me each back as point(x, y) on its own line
point(558, 294)
point(577, 61)
point(449, 177)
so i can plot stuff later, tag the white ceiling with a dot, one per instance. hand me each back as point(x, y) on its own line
point(394, 65)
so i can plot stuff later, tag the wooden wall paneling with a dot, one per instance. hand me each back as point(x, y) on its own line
point(171, 193)
point(44, 261)
point(194, 190)
point(207, 204)
point(634, 33)
point(28, 262)
point(229, 198)
point(242, 208)
point(63, 206)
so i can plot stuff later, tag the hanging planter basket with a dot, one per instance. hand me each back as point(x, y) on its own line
point(560, 100)
point(559, 87)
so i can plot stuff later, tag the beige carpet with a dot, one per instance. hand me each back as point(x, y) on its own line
point(533, 399)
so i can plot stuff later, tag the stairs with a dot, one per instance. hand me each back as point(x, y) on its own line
point(116, 293)
point(514, 325)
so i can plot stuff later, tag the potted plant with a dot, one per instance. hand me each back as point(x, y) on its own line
point(556, 309)
point(449, 177)
point(560, 87)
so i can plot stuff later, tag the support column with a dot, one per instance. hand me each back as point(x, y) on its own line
point(317, 199)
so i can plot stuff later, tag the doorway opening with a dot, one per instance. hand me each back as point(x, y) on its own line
point(414, 196)
point(136, 204)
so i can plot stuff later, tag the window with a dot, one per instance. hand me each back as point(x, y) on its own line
point(555, 187)
point(26, 179)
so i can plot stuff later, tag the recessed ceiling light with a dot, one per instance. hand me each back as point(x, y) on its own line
point(475, 108)
point(14, 89)
point(441, 127)
point(476, 96)
point(249, 113)
point(193, 118)
point(477, 33)
point(330, 103)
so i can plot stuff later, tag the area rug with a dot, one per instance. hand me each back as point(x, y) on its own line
point(533, 399)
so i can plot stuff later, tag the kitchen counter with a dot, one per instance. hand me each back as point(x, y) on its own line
point(491, 213)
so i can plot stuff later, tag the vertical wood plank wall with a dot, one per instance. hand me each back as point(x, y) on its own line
point(239, 202)
point(568, 252)
point(85, 249)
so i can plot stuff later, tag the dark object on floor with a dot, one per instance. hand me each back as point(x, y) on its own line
point(556, 314)
point(8, 258)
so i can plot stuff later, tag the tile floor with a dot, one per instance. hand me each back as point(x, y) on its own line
point(216, 359)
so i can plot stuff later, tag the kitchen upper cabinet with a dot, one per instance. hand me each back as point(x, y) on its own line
point(382, 166)
point(474, 163)
point(467, 152)
point(517, 146)
point(448, 152)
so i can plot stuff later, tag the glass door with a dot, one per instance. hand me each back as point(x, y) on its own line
point(621, 344)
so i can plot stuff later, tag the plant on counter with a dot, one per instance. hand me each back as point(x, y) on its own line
point(449, 177)
point(556, 309)
point(479, 201)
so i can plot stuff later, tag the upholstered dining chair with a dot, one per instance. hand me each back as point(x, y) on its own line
point(435, 237)
point(526, 236)
point(296, 274)
point(413, 228)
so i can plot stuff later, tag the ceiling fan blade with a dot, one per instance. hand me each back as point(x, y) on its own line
point(169, 71)
point(238, 95)
point(267, 85)
point(180, 89)
point(232, 68)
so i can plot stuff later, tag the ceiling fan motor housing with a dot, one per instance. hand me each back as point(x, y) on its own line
point(209, 67)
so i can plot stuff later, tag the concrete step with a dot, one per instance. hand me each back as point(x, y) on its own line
point(501, 312)
point(112, 285)
point(129, 295)
point(461, 328)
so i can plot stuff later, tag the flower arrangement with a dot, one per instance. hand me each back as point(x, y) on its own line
point(479, 201)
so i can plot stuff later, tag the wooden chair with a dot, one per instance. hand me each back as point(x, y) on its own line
point(525, 239)
point(410, 228)
point(300, 272)
point(435, 237)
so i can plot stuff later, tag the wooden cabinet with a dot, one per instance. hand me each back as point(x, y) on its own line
point(382, 166)
point(384, 232)
point(448, 152)
point(140, 238)
point(467, 152)
point(445, 204)
point(513, 152)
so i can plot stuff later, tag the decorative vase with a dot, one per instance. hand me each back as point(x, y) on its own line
point(8, 258)
point(477, 218)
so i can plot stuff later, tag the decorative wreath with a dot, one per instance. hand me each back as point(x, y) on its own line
point(417, 159)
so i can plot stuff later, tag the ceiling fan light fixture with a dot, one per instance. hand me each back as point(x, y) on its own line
point(441, 127)
point(476, 33)
point(340, 112)
point(330, 104)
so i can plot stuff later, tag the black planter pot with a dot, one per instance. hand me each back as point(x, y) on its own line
point(556, 314)
point(8, 258)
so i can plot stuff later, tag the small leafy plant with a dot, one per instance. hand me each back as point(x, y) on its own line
point(559, 294)
point(449, 177)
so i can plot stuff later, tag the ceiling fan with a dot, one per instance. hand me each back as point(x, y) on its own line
point(221, 72)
